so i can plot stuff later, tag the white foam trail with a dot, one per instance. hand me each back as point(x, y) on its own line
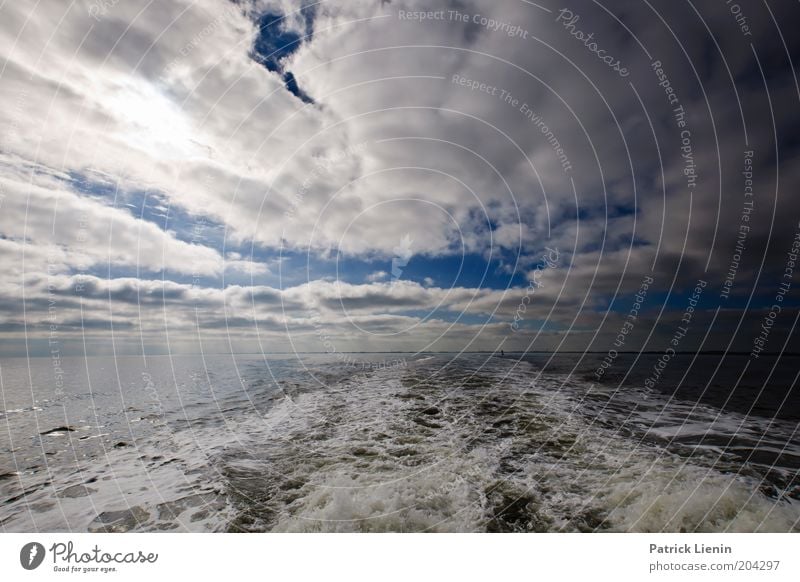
point(495, 453)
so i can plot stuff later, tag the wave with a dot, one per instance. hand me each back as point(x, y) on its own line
point(485, 448)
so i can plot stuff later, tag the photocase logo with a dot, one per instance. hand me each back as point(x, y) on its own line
point(402, 254)
point(31, 555)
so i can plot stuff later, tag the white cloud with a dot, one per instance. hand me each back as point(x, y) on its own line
point(377, 276)
point(84, 232)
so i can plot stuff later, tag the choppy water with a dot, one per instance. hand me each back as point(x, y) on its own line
point(394, 442)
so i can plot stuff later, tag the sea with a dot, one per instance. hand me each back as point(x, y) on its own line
point(400, 442)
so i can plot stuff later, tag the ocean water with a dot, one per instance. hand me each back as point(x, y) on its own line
point(398, 442)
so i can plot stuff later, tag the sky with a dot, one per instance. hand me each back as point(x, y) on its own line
point(373, 175)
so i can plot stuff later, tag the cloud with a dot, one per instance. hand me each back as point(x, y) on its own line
point(377, 276)
point(80, 232)
point(343, 130)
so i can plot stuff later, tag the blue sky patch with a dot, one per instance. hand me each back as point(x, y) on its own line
point(275, 43)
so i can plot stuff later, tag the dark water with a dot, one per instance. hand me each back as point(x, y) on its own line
point(399, 442)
